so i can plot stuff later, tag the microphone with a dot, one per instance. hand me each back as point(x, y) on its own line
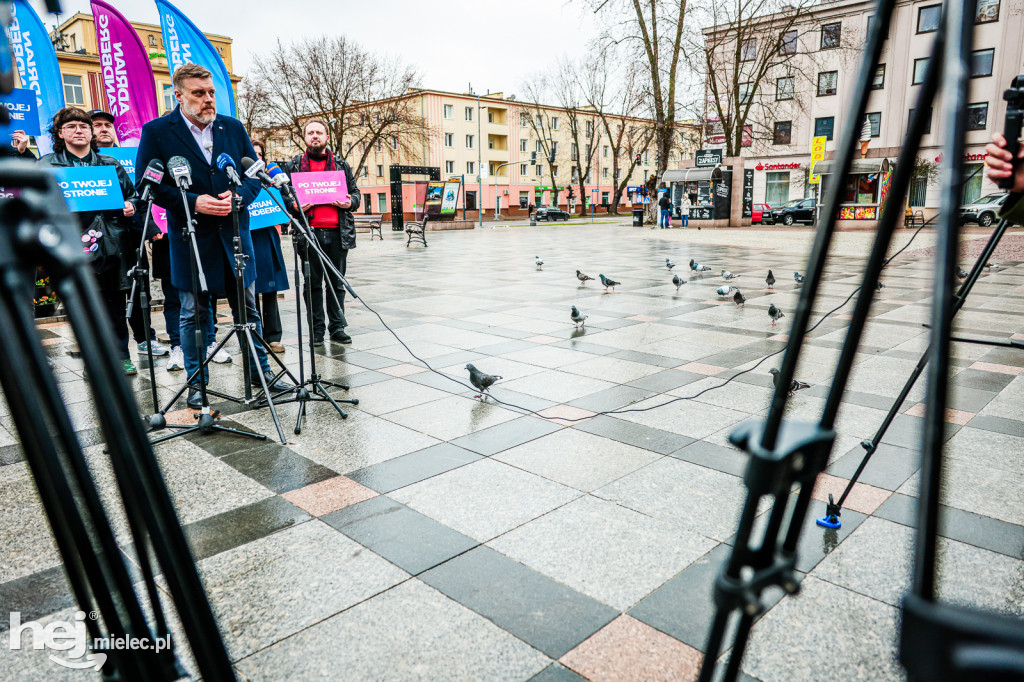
point(227, 164)
point(255, 170)
point(153, 175)
point(181, 171)
point(279, 177)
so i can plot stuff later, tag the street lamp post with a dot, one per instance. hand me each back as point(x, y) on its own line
point(479, 165)
point(498, 168)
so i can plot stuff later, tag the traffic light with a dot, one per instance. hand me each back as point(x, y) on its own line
point(533, 158)
point(638, 159)
point(551, 157)
point(571, 195)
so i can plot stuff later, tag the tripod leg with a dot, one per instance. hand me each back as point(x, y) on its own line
point(247, 335)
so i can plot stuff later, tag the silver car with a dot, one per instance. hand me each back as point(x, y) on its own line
point(985, 210)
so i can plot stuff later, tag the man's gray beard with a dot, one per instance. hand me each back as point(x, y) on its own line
point(194, 113)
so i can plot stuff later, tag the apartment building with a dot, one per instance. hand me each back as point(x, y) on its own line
point(809, 97)
point(489, 142)
point(78, 57)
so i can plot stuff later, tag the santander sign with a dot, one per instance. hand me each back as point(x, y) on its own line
point(777, 166)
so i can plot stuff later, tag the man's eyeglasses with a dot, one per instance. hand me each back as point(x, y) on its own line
point(71, 127)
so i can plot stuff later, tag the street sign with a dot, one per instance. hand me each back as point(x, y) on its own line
point(817, 154)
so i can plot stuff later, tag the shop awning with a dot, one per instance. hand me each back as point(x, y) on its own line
point(692, 174)
point(859, 167)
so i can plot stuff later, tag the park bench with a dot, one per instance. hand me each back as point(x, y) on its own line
point(416, 229)
point(373, 221)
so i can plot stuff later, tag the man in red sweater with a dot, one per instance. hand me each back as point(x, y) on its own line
point(335, 231)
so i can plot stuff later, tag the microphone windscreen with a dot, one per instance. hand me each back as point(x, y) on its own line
point(224, 160)
point(246, 162)
point(179, 166)
point(154, 171)
point(273, 169)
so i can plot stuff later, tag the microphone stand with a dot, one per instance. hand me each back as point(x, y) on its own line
point(302, 234)
point(206, 417)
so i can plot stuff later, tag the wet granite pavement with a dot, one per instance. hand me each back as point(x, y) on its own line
point(434, 536)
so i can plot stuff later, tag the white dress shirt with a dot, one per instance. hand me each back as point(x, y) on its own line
point(204, 137)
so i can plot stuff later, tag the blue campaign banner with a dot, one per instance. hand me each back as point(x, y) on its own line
point(21, 105)
point(125, 155)
point(37, 66)
point(264, 211)
point(184, 43)
point(89, 188)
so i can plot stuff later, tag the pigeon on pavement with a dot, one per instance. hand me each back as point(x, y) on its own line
point(728, 275)
point(798, 277)
point(770, 280)
point(961, 274)
point(697, 267)
point(481, 382)
point(774, 313)
point(794, 386)
point(583, 278)
point(678, 282)
point(578, 317)
point(669, 264)
point(608, 282)
point(739, 299)
point(540, 263)
point(726, 290)
point(879, 285)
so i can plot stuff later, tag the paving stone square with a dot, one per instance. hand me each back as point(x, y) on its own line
point(570, 525)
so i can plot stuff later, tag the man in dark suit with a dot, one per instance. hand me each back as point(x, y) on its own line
point(195, 131)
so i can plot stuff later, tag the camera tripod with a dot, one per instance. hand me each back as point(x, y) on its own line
point(36, 230)
point(937, 641)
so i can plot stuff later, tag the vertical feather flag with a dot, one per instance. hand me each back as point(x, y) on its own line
point(184, 43)
point(126, 71)
point(37, 66)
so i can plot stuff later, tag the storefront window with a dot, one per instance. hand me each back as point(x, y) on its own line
point(918, 191)
point(972, 183)
point(861, 189)
point(777, 188)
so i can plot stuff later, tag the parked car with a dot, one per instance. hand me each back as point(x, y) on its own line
point(985, 210)
point(550, 213)
point(762, 214)
point(796, 211)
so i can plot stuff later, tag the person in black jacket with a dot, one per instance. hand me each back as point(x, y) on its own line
point(74, 145)
point(335, 231)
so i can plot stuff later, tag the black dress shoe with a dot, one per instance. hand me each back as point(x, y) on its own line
point(341, 337)
point(275, 386)
point(195, 399)
point(318, 341)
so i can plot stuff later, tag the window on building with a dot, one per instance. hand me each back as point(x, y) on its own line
point(831, 35)
point(522, 145)
point(470, 167)
point(977, 116)
point(988, 10)
point(539, 147)
point(523, 169)
point(365, 172)
point(73, 92)
point(604, 172)
point(784, 88)
point(524, 120)
point(871, 21)
point(746, 92)
point(554, 123)
point(469, 141)
point(590, 129)
point(367, 198)
point(490, 168)
point(878, 81)
point(380, 171)
point(748, 50)
point(167, 90)
point(875, 119)
point(824, 127)
point(777, 188)
point(973, 173)
point(490, 142)
point(928, 123)
point(918, 191)
point(928, 18)
point(449, 166)
point(490, 116)
point(540, 171)
point(575, 174)
point(469, 113)
point(604, 151)
point(920, 66)
point(554, 170)
point(587, 150)
point(981, 63)
point(828, 82)
point(449, 111)
point(449, 139)
point(151, 40)
point(382, 202)
point(394, 143)
point(554, 148)
point(788, 43)
point(604, 198)
point(574, 152)
point(378, 146)
point(783, 133)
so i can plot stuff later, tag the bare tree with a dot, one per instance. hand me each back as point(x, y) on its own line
point(582, 115)
point(254, 107)
point(540, 122)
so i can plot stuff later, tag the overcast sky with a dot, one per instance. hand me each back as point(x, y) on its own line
point(493, 45)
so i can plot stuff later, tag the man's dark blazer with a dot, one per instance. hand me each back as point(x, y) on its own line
point(169, 136)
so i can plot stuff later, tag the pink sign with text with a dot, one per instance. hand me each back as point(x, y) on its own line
point(160, 218)
point(320, 188)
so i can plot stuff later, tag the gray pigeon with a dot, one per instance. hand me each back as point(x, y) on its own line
point(961, 274)
point(739, 299)
point(583, 278)
point(578, 317)
point(608, 282)
point(798, 277)
point(481, 382)
point(669, 264)
point(540, 263)
point(678, 282)
point(879, 285)
point(770, 280)
point(698, 268)
point(728, 275)
point(726, 290)
point(793, 387)
point(774, 313)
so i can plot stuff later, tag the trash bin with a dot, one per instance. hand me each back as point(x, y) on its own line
point(638, 217)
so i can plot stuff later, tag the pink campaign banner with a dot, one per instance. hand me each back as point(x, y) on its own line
point(126, 72)
point(160, 218)
point(320, 188)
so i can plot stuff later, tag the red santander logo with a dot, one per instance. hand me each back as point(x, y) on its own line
point(777, 166)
